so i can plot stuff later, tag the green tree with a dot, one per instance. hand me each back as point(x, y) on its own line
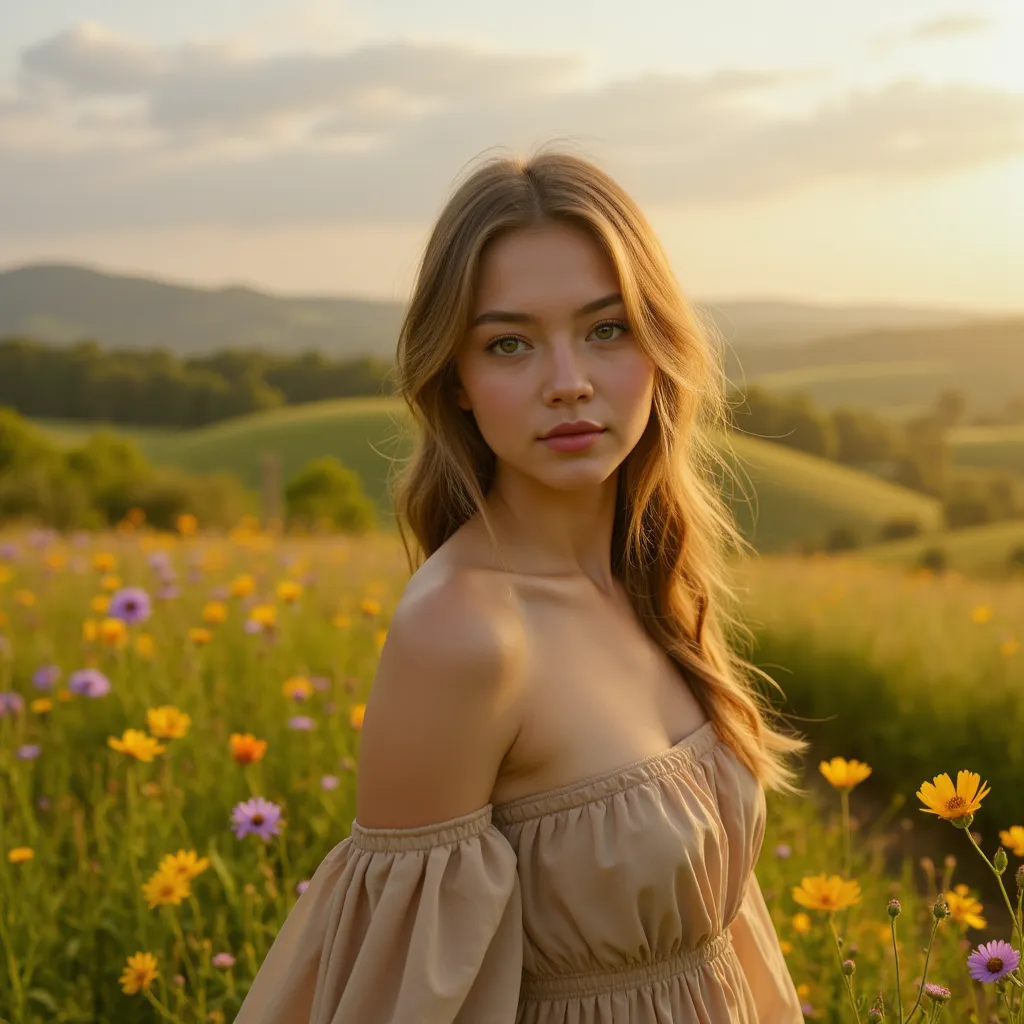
point(325, 490)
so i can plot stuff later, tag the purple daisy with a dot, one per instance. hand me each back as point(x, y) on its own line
point(328, 782)
point(89, 682)
point(46, 676)
point(10, 704)
point(302, 722)
point(131, 605)
point(223, 960)
point(258, 817)
point(782, 851)
point(992, 960)
point(28, 751)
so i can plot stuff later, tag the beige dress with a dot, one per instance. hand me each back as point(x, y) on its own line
point(627, 898)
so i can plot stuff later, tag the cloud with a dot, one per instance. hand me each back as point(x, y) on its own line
point(949, 26)
point(107, 133)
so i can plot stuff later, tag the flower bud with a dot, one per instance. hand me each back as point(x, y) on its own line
point(894, 908)
point(1020, 878)
point(849, 967)
point(940, 908)
point(950, 861)
point(999, 861)
point(937, 993)
point(965, 822)
point(874, 1015)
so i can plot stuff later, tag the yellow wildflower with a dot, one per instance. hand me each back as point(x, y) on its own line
point(25, 598)
point(113, 632)
point(56, 560)
point(139, 973)
point(289, 591)
point(187, 524)
point(214, 612)
point(99, 604)
point(1010, 646)
point(803, 990)
point(341, 620)
point(20, 854)
point(137, 744)
point(1013, 840)
point(843, 774)
point(89, 628)
point(199, 636)
point(801, 922)
point(166, 887)
point(167, 722)
point(41, 705)
point(246, 749)
point(297, 688)
point(243, 585)
point(64, 695)
point(832, 893)
point(264, 614)
point(786, 946)
point(6, 574)
point(964, 908)
point(356, 715)
point(981, 614)
point(144, 645)
point(104, 561)
point(185, 863)
point(369, 607)
point(950, 802)
point(379, 636)
point(110, 582)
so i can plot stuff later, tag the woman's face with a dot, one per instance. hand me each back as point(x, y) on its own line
point(536, 359)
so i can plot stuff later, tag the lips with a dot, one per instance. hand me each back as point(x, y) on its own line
point(574, 427)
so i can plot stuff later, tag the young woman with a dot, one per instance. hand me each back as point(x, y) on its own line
point(562, 767)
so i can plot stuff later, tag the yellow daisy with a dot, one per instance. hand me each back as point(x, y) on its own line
point(167, 722)
point(964, 908)
point(950, 802)
point(166, 887)
point(819, 892)
point(843, 774)
point(20, 854)
point(139, 973)
point(137, 744)
point(1013, 840)
point(185, 863)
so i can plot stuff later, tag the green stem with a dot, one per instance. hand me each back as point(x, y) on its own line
point(839, 953)
point(157, 1005)
point(896, 957)
point(999, 878)
point(844, 799)
point(924, 973)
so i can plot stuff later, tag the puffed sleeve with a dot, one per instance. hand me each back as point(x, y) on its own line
point(400, 925)
point(757, 945)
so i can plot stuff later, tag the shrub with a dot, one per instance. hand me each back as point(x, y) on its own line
point(842, 538)
point(933, 558)
point(897, 529)
point(326, 491)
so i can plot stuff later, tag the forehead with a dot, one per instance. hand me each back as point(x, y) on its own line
point(556, 264)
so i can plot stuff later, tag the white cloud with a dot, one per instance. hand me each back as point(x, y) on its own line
point(110, 132)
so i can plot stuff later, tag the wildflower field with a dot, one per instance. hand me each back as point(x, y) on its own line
point(179, 726)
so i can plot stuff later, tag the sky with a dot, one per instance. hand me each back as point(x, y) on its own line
point(806, 150)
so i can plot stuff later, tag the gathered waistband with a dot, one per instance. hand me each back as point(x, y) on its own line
point(537, 989)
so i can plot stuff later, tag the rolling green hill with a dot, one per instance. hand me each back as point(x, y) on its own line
point(977, 551)
point(990, 447)
point(784, 496)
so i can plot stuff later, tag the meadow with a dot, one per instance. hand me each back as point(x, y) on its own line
point(154, 685)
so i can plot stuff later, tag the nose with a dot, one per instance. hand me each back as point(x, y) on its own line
point(567, 380)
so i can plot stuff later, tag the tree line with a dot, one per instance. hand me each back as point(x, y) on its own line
point(158, 389)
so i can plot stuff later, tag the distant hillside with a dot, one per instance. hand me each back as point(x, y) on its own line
point(894, 370)
point(66, 303)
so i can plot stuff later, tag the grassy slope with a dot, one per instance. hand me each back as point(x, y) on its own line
point(789, 495)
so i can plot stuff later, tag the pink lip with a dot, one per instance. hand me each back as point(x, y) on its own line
point(573, 427)
point(572, 442)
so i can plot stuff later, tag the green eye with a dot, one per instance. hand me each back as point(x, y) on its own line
point(622, 325)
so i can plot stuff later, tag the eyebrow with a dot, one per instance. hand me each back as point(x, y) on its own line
point(505, 317)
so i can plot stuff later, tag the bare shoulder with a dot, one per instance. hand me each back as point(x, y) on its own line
point(444, 707)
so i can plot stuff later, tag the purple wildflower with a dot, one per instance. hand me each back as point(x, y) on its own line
point(257, 816)
point(8, 552)
point(320, 683)
point(782, 851)
point(252, 626)
point(992, 960)
point(223, 960)
point(11, 704)
point(220, 593)
point(938, 993)
point(46, 676)
point(168, 592)
point(28, 751)
point(329, 782)
point(89, 682)
point(301, 887)
point(159, 558)
point(303, 722)
point(131, 605)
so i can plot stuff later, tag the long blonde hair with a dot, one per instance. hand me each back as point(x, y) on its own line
point(672, 526)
